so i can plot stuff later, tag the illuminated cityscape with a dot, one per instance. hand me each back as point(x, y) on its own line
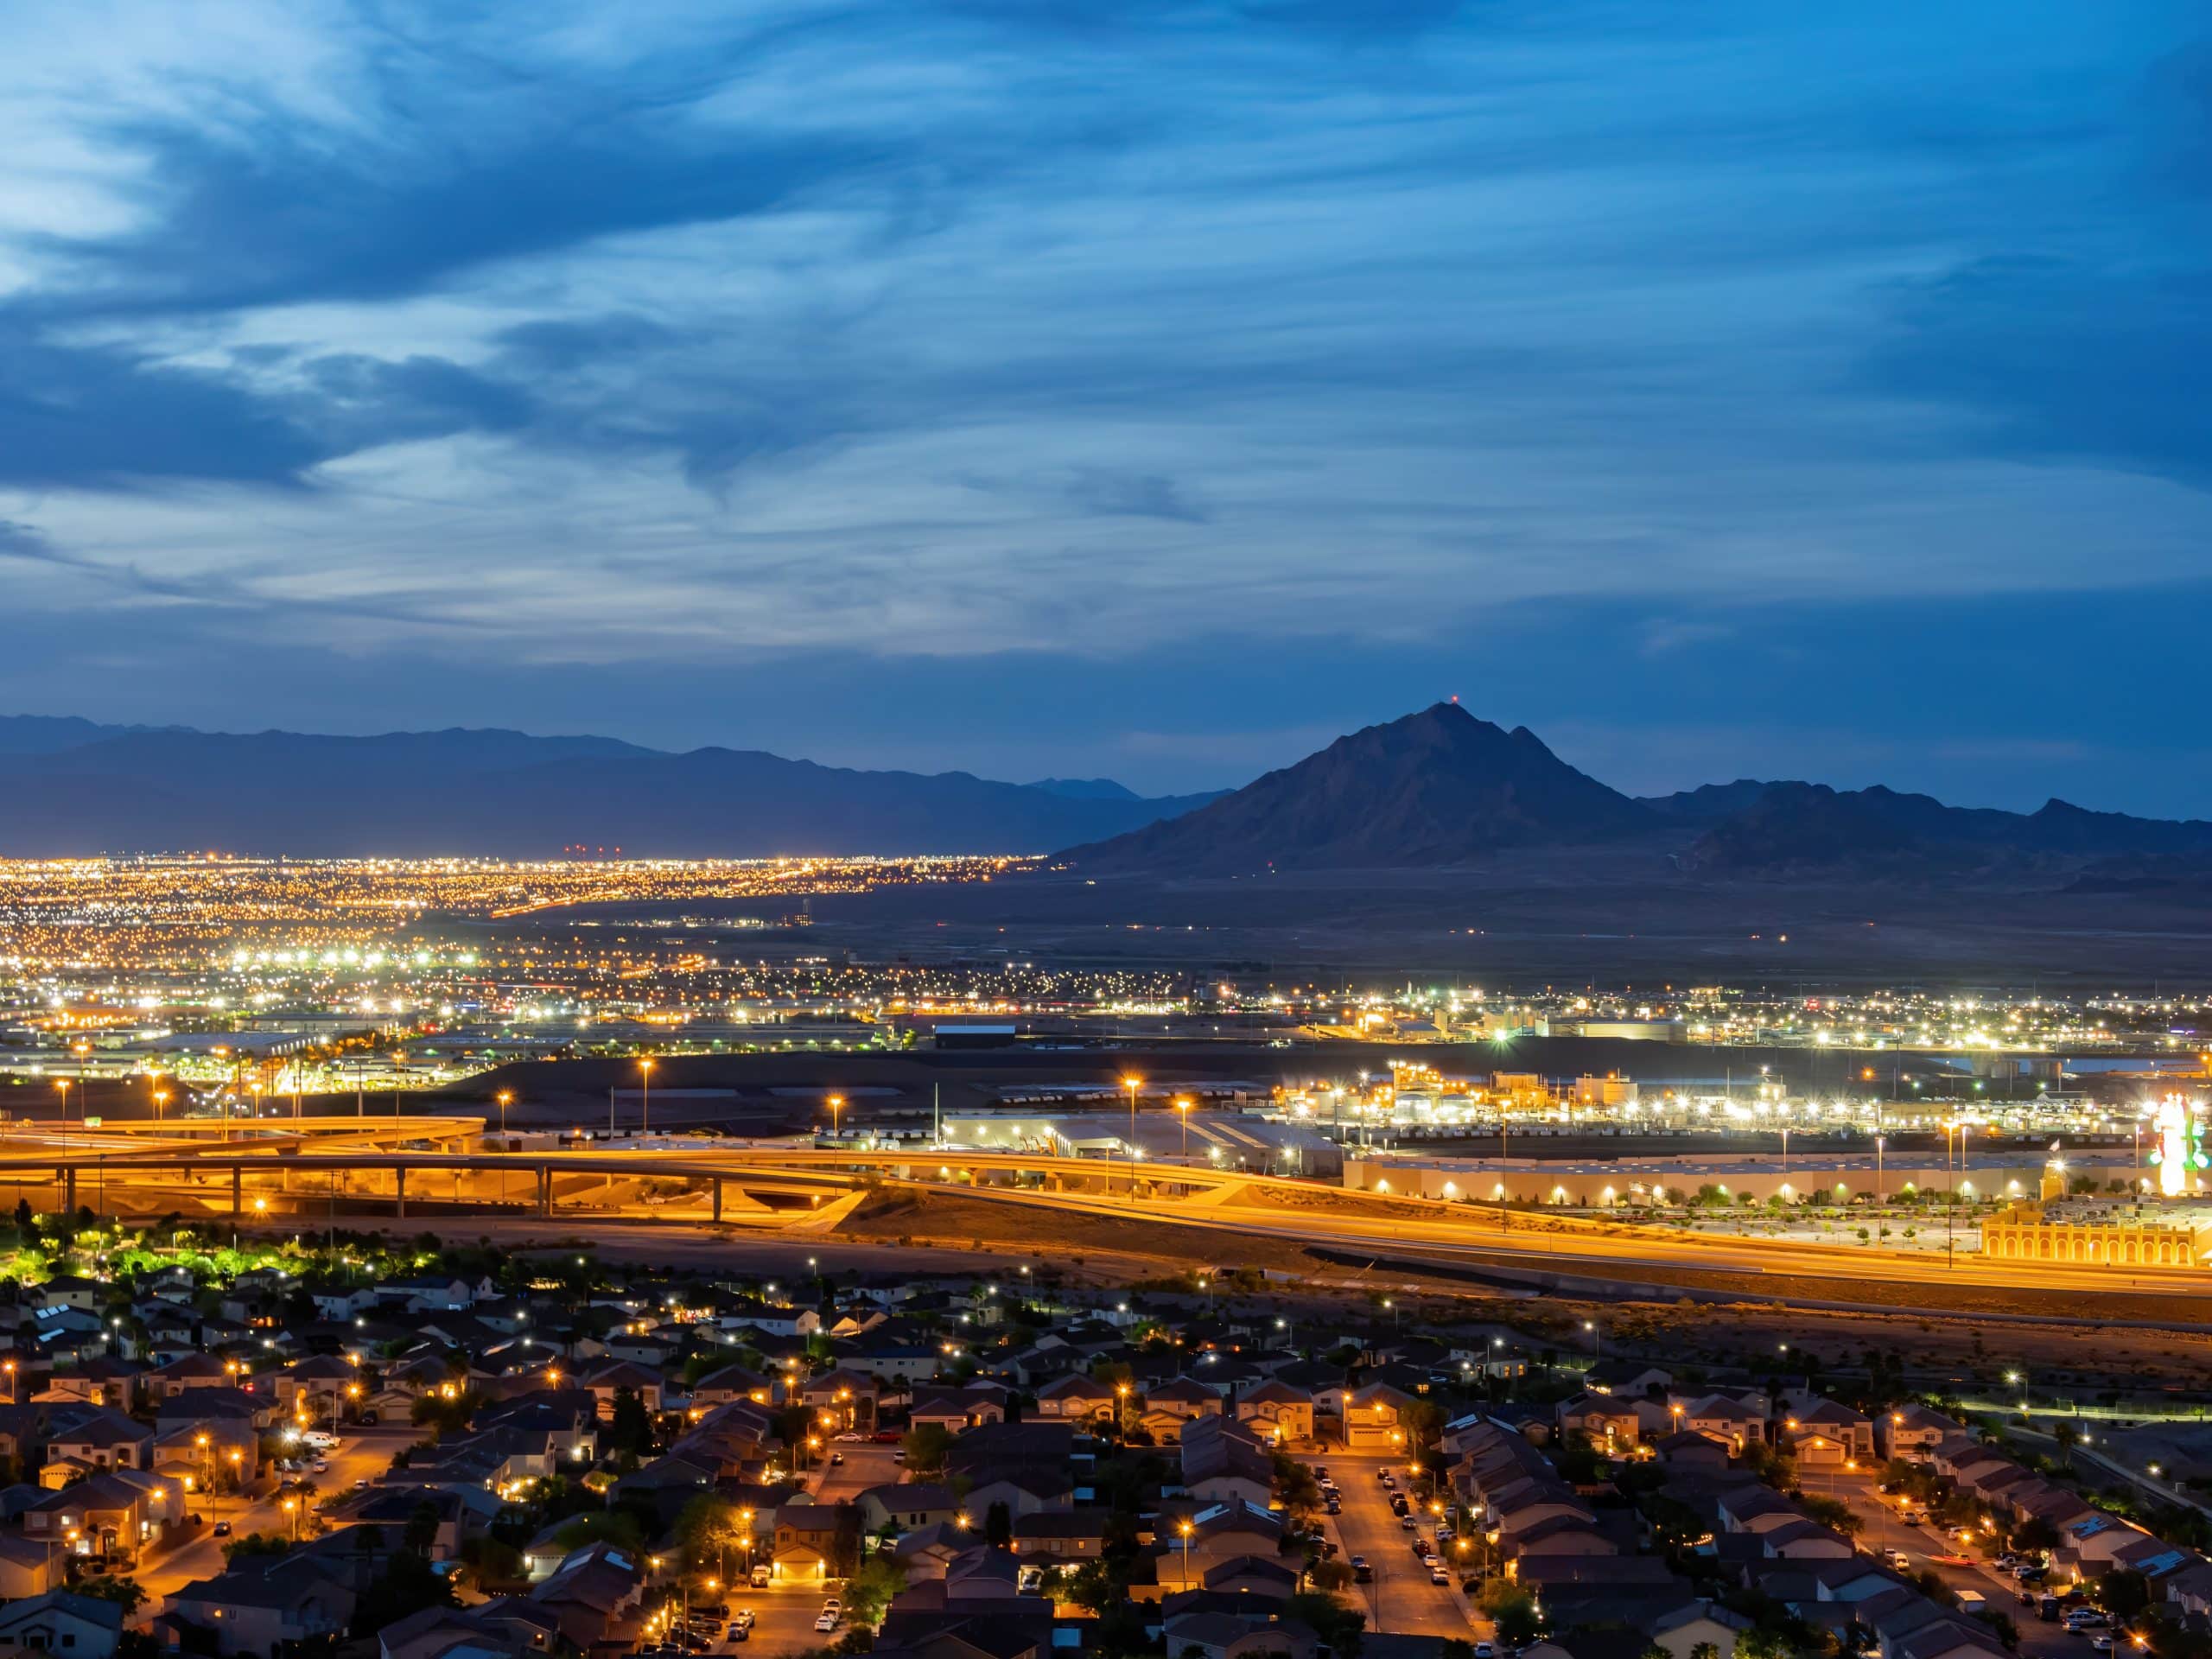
point(1242, 829)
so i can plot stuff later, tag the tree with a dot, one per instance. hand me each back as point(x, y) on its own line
point(869, 1591)
point(422, 1532)
point(2124, 1593)
point(1295, 1485)
point(927, 1444)
point(629, 1429)
point(1423, 1422)
point(1705, 1650)
point(408, 1584)
point(1092, 1587)
point(1333, 1621)
point(124, 1592)
point(256, 1543)
point(997, 1526)
point(706, 1527)
point(492, 1561)
point(1511, 1607)
point(1833, 1513)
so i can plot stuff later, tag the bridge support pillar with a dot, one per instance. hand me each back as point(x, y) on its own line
point(718, 1198)
point(545, 1191)
point(402, 1173)
point(69, 1191)
point(238, 1192)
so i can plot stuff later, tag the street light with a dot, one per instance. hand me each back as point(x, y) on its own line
point(1183, 1108)
point(1133, 1084)
point(646, 1111)
point(836, 1105)
point(506, 1097)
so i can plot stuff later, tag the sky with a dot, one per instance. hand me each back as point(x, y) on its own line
point(1135, 387)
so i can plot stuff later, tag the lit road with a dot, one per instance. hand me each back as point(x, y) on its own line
point(362, 1454)
point(1885, 1531)
point(787, 1189)
point(1401, 1598)
point(866, 1464)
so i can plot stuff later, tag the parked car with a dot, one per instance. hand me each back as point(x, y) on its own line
point(1438, 1575)
point(742, 1618)
point(828, 1621)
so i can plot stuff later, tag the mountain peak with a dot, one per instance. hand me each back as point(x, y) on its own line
point(1436, 786)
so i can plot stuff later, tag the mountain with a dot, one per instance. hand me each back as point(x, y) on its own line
point(1085, 789)
point(509, 794)
point(1790, 825)
point(1433, 788)
point(49, 734)
point(1441, 787)
point(1707, 802)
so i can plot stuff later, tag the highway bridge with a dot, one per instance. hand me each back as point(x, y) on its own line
point(323, 1167)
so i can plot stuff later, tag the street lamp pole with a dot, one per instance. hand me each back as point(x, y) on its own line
point(646, 1110)
point(1132, 1085)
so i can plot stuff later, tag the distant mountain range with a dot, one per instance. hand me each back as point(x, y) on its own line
point(1441, 787)
point(76, 787)
point(1436, 789)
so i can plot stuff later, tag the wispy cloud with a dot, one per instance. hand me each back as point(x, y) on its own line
point(923, 330)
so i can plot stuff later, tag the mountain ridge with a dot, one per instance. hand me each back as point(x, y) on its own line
point(1439, 787)
point(492, 792)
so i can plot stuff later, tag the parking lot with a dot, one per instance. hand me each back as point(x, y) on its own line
point(784, 1620)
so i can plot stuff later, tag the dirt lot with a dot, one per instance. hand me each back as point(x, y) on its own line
point(1996, 1331)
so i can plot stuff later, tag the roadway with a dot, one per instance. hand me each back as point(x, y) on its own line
point(1400, 1599)
point(866, 1464)
point(1883, 1531)
point(810, 1190)
point(362, 1454)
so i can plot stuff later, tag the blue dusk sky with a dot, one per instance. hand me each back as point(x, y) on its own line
point(1128, 387)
